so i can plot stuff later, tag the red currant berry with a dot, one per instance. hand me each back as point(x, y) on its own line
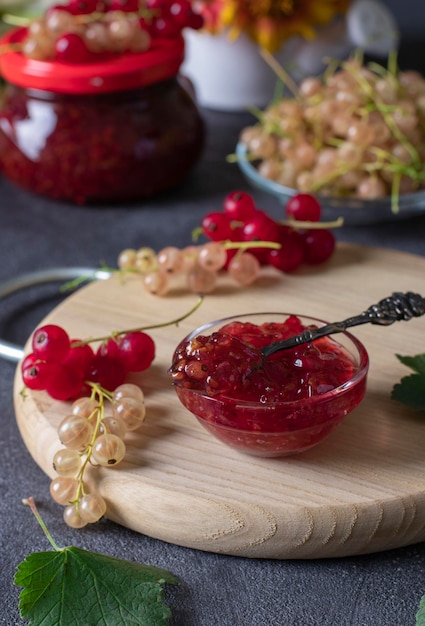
point(319, 246)
point(196, 21)
point(29, 360)
point(237, 233)
point(107, 371)
point(63, 382)
point(128, 6)
point(165, 27)
point(35, 373)
point(82, 7)
point(136, 351)
point(261, 228)
point(72, 48)
point(79, 358)
point(58, 7)
point(291, 253)
point(158, 5)
point(239, 206)
point(303, 207)
point(181, 11)
point(216, 226)
point(50, 343)
point(108, 348)
point(147, 25)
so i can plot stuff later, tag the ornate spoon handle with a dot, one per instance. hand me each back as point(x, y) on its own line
point(394, 308)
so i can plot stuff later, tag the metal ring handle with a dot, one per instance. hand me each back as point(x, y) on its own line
point(14, 352)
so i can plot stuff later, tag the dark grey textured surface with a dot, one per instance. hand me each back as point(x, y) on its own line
point(216, 590)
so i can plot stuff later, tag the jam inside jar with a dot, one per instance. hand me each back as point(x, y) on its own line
point(119, 131)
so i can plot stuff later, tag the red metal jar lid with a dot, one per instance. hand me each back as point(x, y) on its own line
point(126, 71)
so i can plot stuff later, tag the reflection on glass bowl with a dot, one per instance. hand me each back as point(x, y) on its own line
point(278, 427)
point(353, 210)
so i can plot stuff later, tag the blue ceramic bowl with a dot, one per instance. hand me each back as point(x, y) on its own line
point(353, 210)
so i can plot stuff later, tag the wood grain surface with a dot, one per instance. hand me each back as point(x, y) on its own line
point(360, 491)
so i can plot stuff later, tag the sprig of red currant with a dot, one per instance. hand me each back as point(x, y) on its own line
point(62, 366)
point(302, 237)
point(242, 239)
point(67, 368)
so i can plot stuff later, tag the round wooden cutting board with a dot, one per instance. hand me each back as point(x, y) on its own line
point(362, 490)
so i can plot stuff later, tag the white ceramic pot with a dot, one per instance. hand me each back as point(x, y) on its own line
point(227, 75)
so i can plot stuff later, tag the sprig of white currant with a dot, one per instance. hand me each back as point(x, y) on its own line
point(93, 435)
point(200, 264)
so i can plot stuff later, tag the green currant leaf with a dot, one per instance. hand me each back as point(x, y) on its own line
point(420, 615)
point(74, 586)
point(411, 389)
point(416, 363)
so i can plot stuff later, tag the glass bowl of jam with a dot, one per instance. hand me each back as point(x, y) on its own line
point(275, 406)
point(96, 126)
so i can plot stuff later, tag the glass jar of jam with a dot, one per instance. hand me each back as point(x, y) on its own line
point(118, 129)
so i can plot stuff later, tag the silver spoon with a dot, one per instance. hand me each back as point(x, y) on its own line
point(394, 308)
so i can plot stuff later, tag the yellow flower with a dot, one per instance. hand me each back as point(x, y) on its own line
point(270, 22)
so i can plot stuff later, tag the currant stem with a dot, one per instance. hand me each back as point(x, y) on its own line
point(71, 285)
point(100, 394)
point(246, 245)
point(98, 391)
point(15, 20)
point(30, 502)
point(313, 225)
point(96, 16)
point(176, 321)
point(280, 72)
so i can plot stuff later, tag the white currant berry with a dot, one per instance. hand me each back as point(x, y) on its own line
point(67, 462)
point(201, 280)
point(190, 257)
point(127, 259)
point(131, 411)
point(75, 432)
point(85, 407)
point(170, 260)
point(91, 508)
point(112, 425)
point(244, 268)
point(157, 283)
point(64, 489)
point(212, 256)
point(72, 517)
point(108, 450)
point(128, 390)
point(145, 260)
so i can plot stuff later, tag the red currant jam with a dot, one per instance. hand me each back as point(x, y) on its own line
point(275, 406)
point(115, 130)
